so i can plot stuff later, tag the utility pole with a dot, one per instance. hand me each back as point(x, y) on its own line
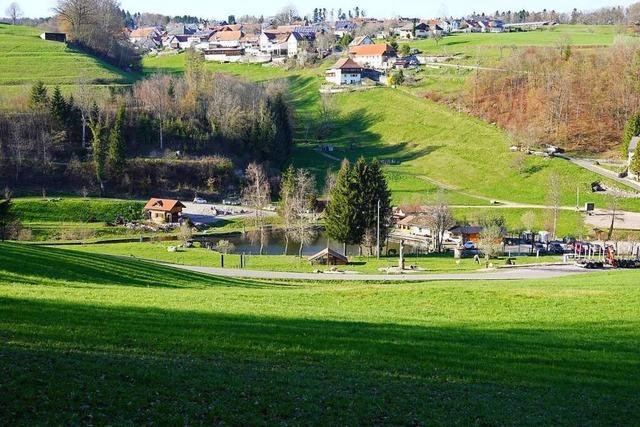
point(378, 233)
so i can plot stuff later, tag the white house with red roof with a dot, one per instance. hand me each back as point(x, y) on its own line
point(345, 72)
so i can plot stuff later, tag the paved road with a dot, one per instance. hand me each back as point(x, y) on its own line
point(539, 272)
point(586, 164)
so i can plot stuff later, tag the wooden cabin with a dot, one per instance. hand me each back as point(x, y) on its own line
point(328, 257)
point(163, 211)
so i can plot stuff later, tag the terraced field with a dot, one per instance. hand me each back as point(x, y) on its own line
point(25, 59)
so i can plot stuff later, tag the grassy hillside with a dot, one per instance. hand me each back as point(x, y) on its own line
point(75, 218)
point(435, 148)
point(91, 339)
point(25, 59)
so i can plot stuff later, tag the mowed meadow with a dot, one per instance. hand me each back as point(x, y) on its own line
point(88, 338)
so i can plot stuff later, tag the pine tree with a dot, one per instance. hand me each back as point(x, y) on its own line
point(117, 144)
point(39, 96)
point(342, 212)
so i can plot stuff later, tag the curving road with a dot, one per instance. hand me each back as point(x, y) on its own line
point(519, 273)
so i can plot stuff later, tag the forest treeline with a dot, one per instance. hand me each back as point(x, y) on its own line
point(199, 127)
point(574, 98)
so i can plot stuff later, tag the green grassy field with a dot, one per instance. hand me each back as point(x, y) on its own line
point(26, 59)
point(157, 252)
point(72, 218)
point(489, 47)
point(92, 339)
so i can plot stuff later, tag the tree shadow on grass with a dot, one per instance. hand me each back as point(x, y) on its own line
point(118, 364)
point(69, 266)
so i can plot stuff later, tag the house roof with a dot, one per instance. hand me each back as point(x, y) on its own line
point(371, 50)
point(144, 32)
point(227, 36)
point(415, 221)
point(633, 145)
point(346, 63)
point(328, 252)
point(358, 41)
point(164, 205)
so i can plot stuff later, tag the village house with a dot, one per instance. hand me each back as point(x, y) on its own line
point(465, 234)
point(228, 39)
point(274, 43)
point(410, 31)
point(633, 145)
point(163, 211)
point(345, 72)
point(143, 34)
point(180, 42)
point(374, 56)
point(296, 41)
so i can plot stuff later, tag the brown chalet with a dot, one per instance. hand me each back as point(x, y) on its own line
point(164, 210)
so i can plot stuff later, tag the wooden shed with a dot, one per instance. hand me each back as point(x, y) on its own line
point(328, 257)
point(164, 210)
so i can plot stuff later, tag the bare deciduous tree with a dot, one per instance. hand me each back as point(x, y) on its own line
point(554, 198)
point(14, 12)
point(256, 195)
point(439, 220)
point(155, 95)
point(491, 241)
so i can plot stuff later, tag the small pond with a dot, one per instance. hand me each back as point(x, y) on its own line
point(274, 244)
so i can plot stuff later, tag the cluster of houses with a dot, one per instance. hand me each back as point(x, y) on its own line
point(230, 43)
point(413, 221)
point(262, 43)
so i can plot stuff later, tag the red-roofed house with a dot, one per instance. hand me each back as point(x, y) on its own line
point(345, 72)
point(372, 55)
point(164, 210)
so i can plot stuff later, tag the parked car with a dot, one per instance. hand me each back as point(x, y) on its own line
point(555, 249)
point(469, 246)
point(200, 201)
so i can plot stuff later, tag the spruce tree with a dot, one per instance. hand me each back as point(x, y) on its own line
point(342, 212)
point(117, 144)
point(378, 191)
point(38, 97)
point(58, 108)
point(631, 129)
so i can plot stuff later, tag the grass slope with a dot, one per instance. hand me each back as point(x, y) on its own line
point(91, 339)
point(437, 148)
point(26, 59)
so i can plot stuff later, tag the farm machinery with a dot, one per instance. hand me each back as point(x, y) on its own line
point(592, 256)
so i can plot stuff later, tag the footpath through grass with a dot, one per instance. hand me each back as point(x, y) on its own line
point(92, 339)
